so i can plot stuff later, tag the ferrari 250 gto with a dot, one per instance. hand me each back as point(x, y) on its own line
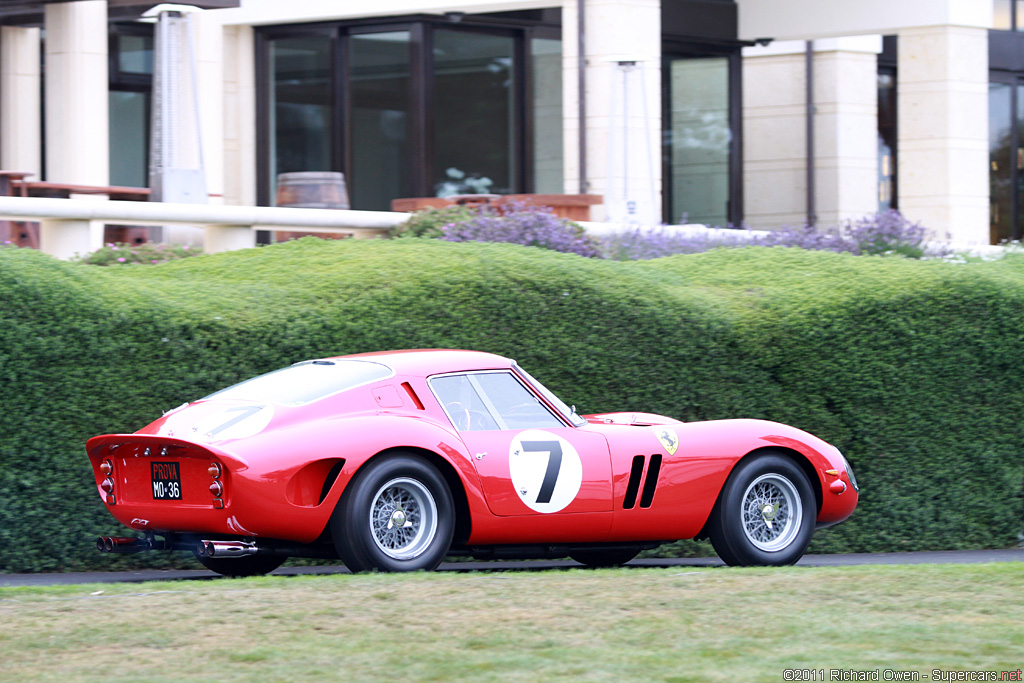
point(392, 461)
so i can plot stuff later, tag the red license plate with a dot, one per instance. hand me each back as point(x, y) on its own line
point(166, 480)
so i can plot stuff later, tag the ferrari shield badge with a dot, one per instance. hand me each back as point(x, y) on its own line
point(669, 440)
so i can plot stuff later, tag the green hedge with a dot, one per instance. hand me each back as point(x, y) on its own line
point(913, 369)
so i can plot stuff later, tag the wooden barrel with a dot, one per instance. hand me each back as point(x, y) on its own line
point(311, 190)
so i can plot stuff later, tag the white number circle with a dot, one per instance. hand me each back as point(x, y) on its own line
point(546, 470)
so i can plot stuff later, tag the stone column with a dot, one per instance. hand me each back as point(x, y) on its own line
point(942, 95)
point(239, 116)
point(623, 117)
point(77, 125)
point(20, 116)
point(845, 131)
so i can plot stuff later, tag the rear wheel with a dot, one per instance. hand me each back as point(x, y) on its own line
point(253, 565)
point(396, 515)
point(605, 557)
point(765, 514)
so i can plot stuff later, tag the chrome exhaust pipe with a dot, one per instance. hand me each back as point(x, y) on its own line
point(226, 549)
point(122, 544)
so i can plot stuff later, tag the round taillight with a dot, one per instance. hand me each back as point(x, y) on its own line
point(216, 488)
point(107, 485)
point(106, 467)
point(214, 470)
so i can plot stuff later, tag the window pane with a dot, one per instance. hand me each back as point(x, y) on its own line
point(305, 382)
point(474, 108)
point(135, 54)
point(381, 107)
point(547, 115)
point(464, 406)
point(1000, 142)
point(129, 134)
point(886, 141)
point(300, 106)
point(517, 407)
point(698, 140)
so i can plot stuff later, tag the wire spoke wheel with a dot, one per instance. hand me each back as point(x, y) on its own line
point(765, 513)
point(403, 518)
point(772, 512)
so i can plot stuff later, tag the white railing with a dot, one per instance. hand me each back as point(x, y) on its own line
point(75, 226)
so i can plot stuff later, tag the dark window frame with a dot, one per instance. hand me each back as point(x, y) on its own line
point(887, 65)
point(131, 81)
point(421, 28)
point(677, 49)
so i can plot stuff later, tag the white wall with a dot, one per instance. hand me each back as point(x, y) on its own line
point(810, 19)
point(20, 115)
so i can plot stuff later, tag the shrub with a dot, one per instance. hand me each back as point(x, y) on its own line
point(911, 368)
point(521, 223)
point(147, 253)
point(430, 222)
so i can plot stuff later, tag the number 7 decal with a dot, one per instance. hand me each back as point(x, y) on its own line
point(554, 451)
point(545, 469)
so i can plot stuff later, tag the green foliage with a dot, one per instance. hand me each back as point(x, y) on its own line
point(148, 253)
point(911, 368)
point(430, 222)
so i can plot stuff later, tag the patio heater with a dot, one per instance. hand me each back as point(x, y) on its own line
point(176, 156)
point(629, 199)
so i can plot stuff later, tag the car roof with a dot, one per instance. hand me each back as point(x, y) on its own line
point(425, 362)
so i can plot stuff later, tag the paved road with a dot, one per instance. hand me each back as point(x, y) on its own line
point(842, 560)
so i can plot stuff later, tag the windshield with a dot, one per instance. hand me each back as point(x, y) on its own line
point(559, 405)
point(305, 382)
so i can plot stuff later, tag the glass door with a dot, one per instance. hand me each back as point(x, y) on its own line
point(700, 141)
point(475, 122)
point(301, 105)
point(1006, 158)
point(380, 119)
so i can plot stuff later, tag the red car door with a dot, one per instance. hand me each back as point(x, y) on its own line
point(529, 461)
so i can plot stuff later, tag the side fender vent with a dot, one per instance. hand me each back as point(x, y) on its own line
point(636, 475)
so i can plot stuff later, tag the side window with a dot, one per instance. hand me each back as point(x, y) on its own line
point(516, 405)
point(491, 400)
point(460, 400)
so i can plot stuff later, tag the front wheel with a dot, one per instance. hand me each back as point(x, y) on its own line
point(397, 515)
point(765, 514)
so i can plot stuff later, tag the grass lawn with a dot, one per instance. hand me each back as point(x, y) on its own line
point(634, 624)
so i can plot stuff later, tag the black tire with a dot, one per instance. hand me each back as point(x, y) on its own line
point(606, 557)
point(765, 514)
point(252, 565)
point(397, 515)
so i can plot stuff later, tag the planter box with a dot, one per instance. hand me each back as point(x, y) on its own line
point(575, 207)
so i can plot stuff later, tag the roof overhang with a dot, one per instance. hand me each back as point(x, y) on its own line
point(30, 12)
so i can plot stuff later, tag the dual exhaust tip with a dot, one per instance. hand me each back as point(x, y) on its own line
point(218, 549)
point(224, 549)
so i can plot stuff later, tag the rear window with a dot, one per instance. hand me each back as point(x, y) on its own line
point(305, 382)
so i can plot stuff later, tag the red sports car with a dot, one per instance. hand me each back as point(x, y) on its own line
point(391, 461)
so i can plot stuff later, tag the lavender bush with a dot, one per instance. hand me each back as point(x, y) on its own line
point(646, 243)
point(886, 233)
point(521, 223)
point(883, 233)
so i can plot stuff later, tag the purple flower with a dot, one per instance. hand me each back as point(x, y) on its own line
point(121, 259)
point(521, 223)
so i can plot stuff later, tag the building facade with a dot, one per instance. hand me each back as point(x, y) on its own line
point(705, 111)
